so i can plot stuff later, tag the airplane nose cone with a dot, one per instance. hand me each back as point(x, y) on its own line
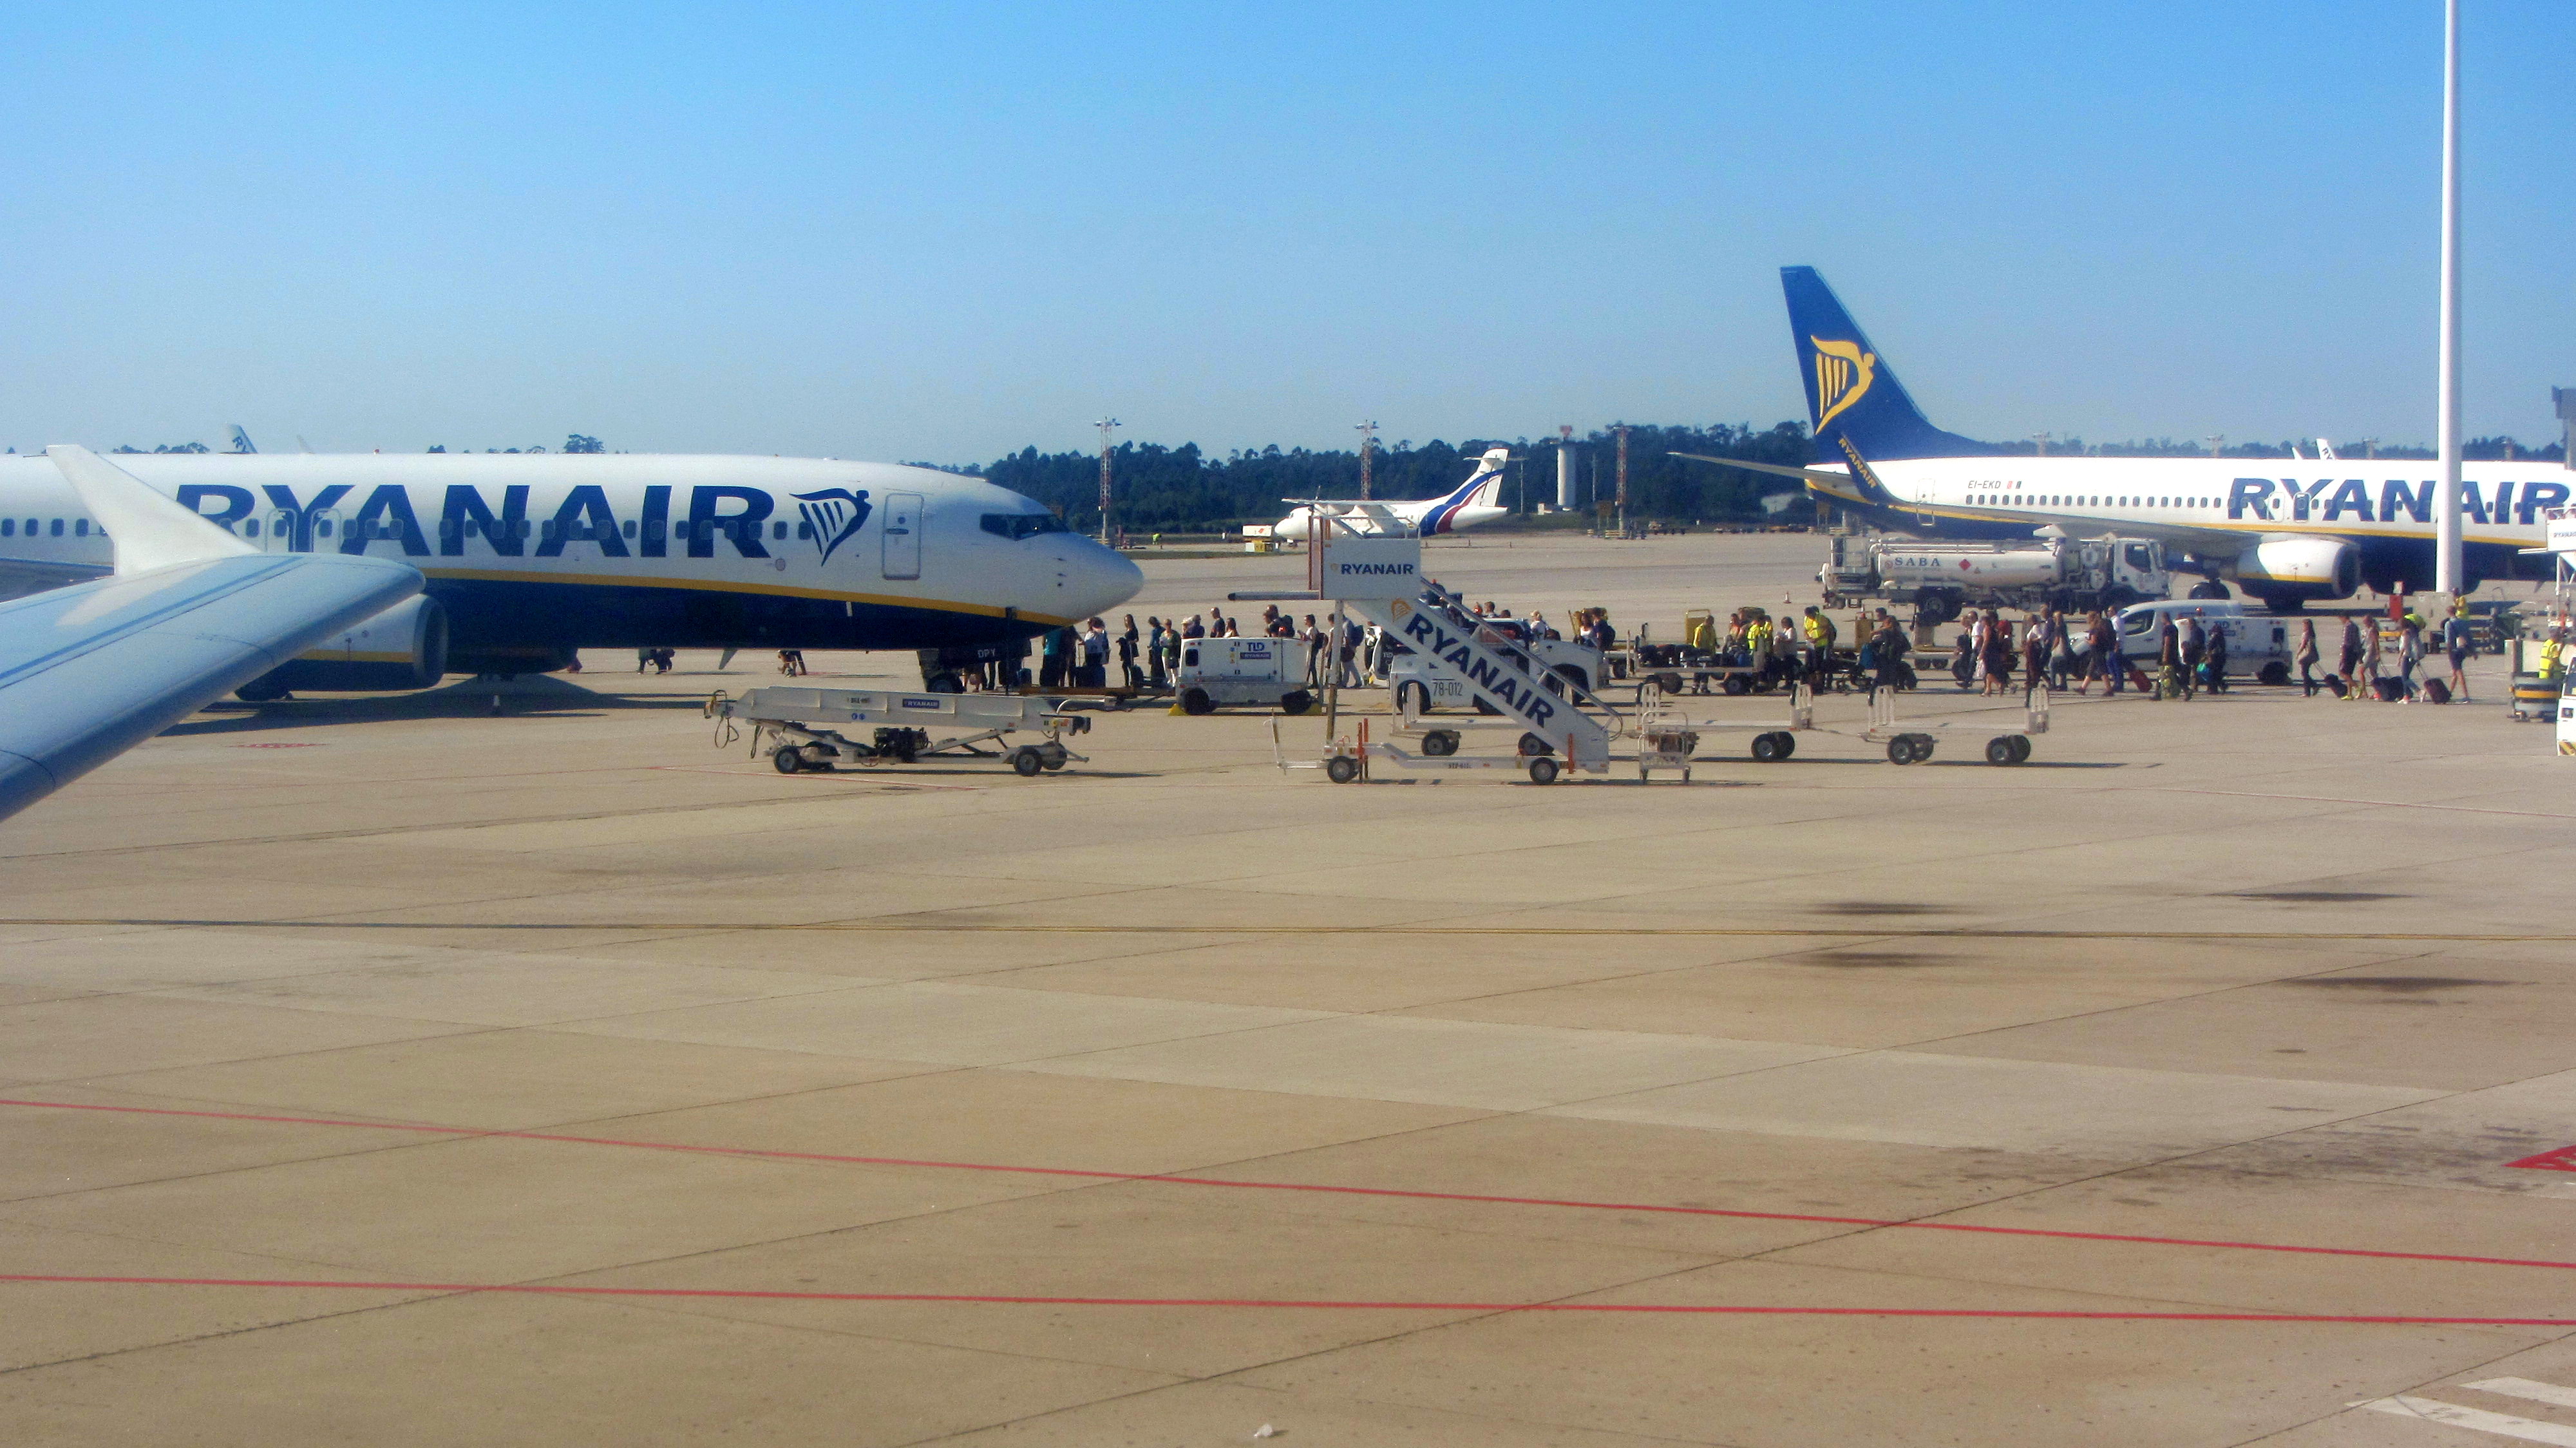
point(1098, 579)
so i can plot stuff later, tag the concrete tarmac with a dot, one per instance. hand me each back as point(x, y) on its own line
point(385, 1071)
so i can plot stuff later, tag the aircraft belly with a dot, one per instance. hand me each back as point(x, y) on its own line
point(488, 613)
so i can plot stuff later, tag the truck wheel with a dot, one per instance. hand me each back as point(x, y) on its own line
point(1440, 743)
point(1766, 748)
point(1419, 694)
point(1542, 770)
point(1341, 769)
point(1025, 762)
point(1296, 701)
point(786, 760)
point(1196, 701)
point(1999, 750)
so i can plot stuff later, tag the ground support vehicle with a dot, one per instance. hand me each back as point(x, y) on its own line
point(1377, 579)
point(1424, 687)
point(1268, 672)
point(1942, 579)
point(2259, 641)
point(1775, 741)
point(801, 729)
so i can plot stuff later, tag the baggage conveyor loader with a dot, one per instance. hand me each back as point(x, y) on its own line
point(907, 727)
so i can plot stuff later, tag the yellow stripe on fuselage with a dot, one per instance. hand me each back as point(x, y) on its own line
point(712, 585)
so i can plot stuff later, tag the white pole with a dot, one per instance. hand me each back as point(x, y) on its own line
point(2446, 513)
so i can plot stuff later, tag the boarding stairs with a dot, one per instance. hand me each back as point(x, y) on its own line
point(1557, 717)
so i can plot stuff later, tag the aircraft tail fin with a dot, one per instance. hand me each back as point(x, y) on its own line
point(1483, 489)
point(1851, 391)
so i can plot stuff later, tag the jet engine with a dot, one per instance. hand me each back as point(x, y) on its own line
point(2286, 572)
point(404, 647)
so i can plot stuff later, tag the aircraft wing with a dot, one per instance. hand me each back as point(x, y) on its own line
point(1839, 482)
point(22, 576)
point(91, 670)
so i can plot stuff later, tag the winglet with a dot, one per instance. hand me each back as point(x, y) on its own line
point(150, 531)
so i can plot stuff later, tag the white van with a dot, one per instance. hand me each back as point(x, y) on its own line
point(1262, 671)
point(2259, 641)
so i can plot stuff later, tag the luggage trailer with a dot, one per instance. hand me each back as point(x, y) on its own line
point(1561, 725)
point(802, 728)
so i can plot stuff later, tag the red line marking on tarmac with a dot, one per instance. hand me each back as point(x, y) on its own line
point(1677, 1309)
point(1568, 1203)
point(2561, 1159)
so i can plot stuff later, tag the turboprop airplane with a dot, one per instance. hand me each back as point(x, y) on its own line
point(2286, 537)
point(1475, 502)
point(531, 556)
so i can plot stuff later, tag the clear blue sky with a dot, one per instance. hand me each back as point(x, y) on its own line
point(942, 232)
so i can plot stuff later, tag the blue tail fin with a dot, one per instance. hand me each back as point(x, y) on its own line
point(1851, 391)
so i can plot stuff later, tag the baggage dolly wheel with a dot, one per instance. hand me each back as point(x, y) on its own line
point(1440, 743)
point(1999, 750)
point(1900, 750)
point(1922, 747)
point(1542, 770)
point(1341, 769)
point(786, 760)
point(1026, 762)
point(1051, 755)
point(2021, 748)
point(1773, 747)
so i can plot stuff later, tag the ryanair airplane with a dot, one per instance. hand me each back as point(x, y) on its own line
point(527, 557)
point(2301, 530)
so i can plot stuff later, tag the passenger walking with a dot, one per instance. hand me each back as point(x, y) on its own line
point(2456, 643)
point(1194, 629)
point(1888, 653)
point(2214, 662)
point(1053, 651)
point(2375, 651)
point(2305, 656)
point(2349, 660)
point(1995, 657)
point(1095, 656)
point(1132, 676)
point(2410, 654)
point(2172, 678)
point(2195, 647)
point(2061, 651)
point(1318, 649)
point(2034, 654)
point(1156, 635)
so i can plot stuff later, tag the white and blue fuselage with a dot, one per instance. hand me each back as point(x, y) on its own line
point(532, 555)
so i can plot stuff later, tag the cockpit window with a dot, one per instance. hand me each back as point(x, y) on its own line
point(1023, 525)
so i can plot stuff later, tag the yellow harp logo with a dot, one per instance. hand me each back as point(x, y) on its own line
point(1843, 372)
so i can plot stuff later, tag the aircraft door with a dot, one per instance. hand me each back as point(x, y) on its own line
point(277, 530)
point(904, 516)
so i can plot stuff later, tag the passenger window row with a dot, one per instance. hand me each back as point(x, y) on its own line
point(35, 528)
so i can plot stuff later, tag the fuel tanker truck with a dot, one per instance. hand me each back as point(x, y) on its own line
point(1941, 579)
